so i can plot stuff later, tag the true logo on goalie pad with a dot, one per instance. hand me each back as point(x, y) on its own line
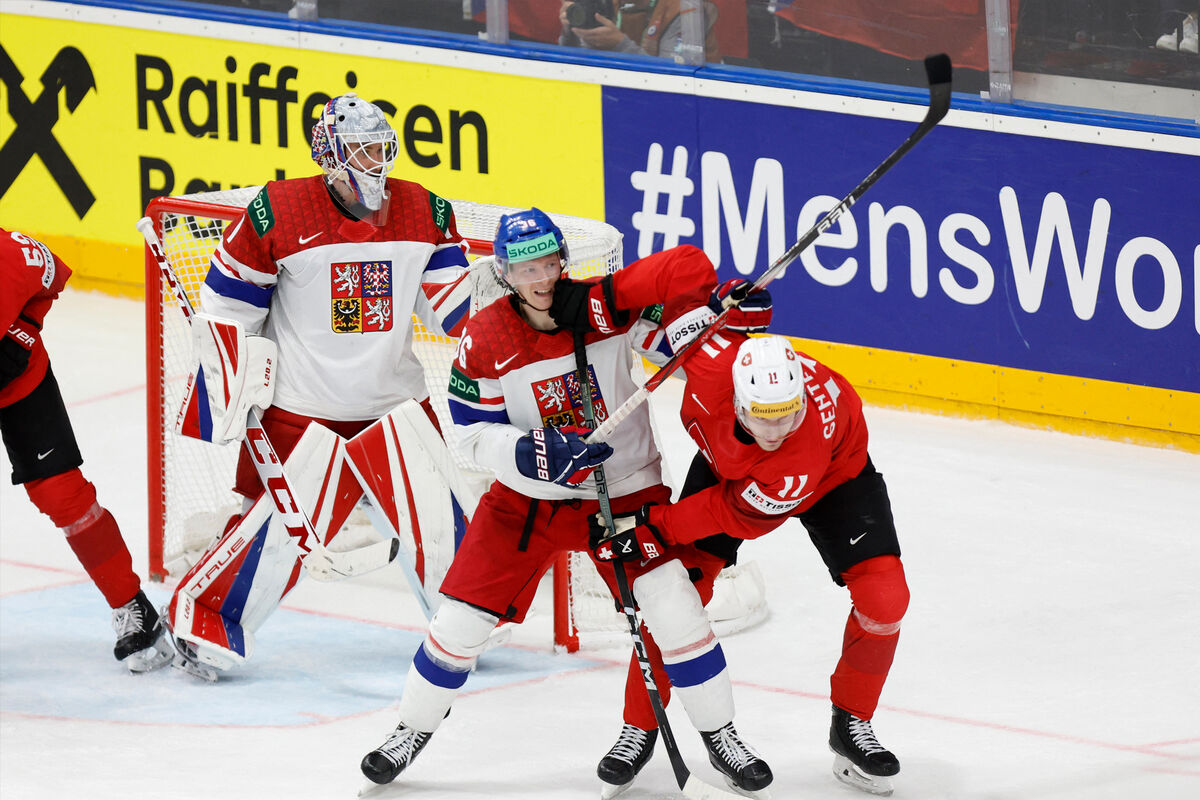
point(361, 295)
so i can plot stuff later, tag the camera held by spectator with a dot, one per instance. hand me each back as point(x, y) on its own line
point(582, 13)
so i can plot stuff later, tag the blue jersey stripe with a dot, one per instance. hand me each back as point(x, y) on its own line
point(222, 284)
point(464, 414)
point(446, 257)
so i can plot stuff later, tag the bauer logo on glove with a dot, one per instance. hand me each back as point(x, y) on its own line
point(559, 455)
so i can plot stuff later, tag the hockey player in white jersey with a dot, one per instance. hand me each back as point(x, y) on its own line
point(517, 407)
point(306, 312)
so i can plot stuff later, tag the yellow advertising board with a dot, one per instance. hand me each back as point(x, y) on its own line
point(97, 119)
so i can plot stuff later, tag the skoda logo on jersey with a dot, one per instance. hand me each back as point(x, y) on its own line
point(70, 76)
point(361, 296)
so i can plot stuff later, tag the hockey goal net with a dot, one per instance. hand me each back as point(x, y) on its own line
point(190, 481)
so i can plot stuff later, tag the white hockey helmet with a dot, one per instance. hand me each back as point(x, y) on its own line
point(353, 141)
point(768, 389)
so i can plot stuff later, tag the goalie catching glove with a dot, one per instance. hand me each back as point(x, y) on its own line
point(587, 306)
point(635, 539)
point(751, 315)
point(559, 455)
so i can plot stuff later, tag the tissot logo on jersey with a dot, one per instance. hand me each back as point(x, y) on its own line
point(781, 497)
point(361, 296)
point(560, 402)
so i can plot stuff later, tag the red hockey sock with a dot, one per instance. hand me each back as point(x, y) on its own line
point(92, 533)
point(880, 596)
point(638, 711)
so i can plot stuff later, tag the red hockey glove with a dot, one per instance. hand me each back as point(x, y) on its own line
point(15, 349)
point(559, 455)
point(635, 539)
point(587, 306)
point(752, 315)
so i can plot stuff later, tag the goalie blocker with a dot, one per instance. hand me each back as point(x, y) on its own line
point(399, 465)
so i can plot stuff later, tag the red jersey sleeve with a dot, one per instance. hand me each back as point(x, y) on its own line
point(681, 278)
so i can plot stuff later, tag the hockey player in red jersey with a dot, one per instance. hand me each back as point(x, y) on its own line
point(516, 403)
point(320, 278)
point(779, 435)
point(45, 457)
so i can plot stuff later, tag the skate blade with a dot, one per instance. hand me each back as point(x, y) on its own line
point(611, 790)
point(157, 655)
point(761, 794)
point(845, 771)
point(201, 671)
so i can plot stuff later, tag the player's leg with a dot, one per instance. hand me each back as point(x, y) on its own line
point(45, 457)
point(853, 529)
point(494, 576)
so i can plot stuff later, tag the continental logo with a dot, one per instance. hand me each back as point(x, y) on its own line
point(442, 212)
point(65, 83)
point(463, 387)
point(273, 108)
point(260, 213)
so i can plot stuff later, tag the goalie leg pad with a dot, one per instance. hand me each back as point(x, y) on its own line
point(243, 579)
point(691, 653)
point(457, 635)
point(415, 491)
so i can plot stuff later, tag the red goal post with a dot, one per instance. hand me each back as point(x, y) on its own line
point(190, 482)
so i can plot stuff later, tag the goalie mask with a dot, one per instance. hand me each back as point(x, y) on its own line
point(353, 143)
point(522, 239)
point(768, 390)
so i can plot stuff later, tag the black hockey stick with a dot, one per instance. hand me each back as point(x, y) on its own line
point(938, 70)
point(320, 562)
point(690, 785)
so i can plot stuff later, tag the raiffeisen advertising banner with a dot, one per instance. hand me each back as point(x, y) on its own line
point(1013, 250)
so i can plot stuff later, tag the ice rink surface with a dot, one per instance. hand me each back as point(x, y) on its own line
point(1051, 650)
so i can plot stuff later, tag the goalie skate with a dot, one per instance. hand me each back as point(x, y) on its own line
point(625, 760)
point(859, 759)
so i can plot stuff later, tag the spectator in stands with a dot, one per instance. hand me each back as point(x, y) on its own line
point(642, 27)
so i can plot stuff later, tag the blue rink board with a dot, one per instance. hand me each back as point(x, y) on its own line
point(56, 660)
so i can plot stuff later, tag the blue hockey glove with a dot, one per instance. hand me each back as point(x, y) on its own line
point(752, 315)
point(559, 455)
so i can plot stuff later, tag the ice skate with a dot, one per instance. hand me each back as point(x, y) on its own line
point(859, 759)
point(625, 760)
point(742, 767)
point(387, 761)
point(142, 643)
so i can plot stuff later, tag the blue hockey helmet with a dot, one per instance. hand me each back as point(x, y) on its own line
point(524, 236)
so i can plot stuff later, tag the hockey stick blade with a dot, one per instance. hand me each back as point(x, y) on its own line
point(321, 563)
point(938, 70)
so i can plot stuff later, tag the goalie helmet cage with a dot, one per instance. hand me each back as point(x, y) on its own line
point(190, 482)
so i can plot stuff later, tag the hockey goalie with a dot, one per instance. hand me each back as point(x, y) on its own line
point(304, 317)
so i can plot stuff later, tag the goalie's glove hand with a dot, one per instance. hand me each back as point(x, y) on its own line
point(559, 455)
point(587, 306)
point(634, 540)
point(752, 315)
point(15, 349)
